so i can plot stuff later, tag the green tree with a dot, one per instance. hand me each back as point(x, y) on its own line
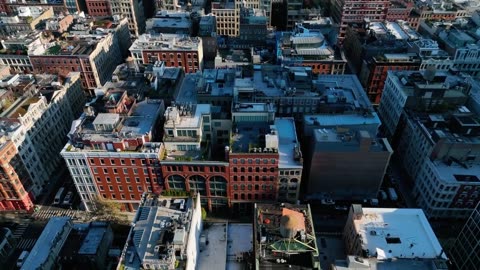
point(106, 209)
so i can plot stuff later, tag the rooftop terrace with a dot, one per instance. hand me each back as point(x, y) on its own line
point(166, 42)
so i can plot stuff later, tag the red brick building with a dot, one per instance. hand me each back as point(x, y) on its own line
point(98, 8)
point(374, 72)
point(210, 179)
point(174, 50)
point(111, 153)
point(399, 10)
point(13, 177)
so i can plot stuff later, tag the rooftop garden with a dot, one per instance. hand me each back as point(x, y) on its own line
point(54, 50)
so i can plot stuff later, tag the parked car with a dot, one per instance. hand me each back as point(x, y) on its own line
point(22, 258)
point(68, 198)
point(327, 201)
point(382, 195)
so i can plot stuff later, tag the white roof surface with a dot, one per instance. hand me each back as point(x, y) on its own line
point(218, 254)
point(408, 227)
point(287, 140)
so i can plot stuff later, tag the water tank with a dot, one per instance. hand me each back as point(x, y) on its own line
point(289, 225)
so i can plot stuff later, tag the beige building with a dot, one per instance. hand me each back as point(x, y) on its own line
point(228, 15)
point(133, 10)
point(38, 126)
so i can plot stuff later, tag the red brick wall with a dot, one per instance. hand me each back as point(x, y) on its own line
point(96, 8)
point(186, 59)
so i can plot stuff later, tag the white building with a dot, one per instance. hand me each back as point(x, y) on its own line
point(290, 163)
point(186, 126)
point(38, 125)
point(392, 238)
point(165, 235)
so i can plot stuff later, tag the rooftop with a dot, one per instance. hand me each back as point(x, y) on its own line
point(160, 232)
point(107, 127)
point(185, 115)
point(217, 82)
point(284, 237)
point(166, 42)
point(290, 156)
point(343, 141)
point(333, 120)
point(397, 233)
point(51, 236)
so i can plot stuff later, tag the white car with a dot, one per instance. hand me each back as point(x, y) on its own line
point(327, 202)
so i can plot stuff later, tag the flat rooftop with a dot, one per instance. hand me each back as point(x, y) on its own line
point(166, 42)
point(331, 140)
point(185, 115)
point(227, 242)
point(157, 226)
point(397, 233)
point(249, 135)
point(288, 145)
point(140, 122)
point(333, 120)
point(46, 242)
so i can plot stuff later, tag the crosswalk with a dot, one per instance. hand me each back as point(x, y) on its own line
point(26, 244)
point(48, 213)
point(20, 230)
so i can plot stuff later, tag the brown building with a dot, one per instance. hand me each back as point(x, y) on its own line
point(95, 60)
point(111, 153)
point(175, 50)
point(374, 71)
point(98, 8)
point(13, 177)
point(399, 10)
point(356, 13)
point(347, 165)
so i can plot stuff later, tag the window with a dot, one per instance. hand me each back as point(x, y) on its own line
point(95, 170)
point(117, 179)
point(122, 161)
point(140, 188)
point(115, 171)
point(92, 161)
point(112, 161)
point(105, 170)
point(120, 188)
point(110, 188)
point(137, 180)
point(127, 179)
point(108, 179)
point(130, 188)
point(125, 171)
point(102, 161)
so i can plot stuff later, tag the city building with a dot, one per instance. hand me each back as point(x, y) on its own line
point(284, 237)
point(347, 165)
point(98, 8)
point(386, 238)
point(227, 15)
point(7, 243)
point(15, 51)
point(433, 127)
point(399, 10)
point(189, 164)
point(374, 71)
point(165, 234)
point(207, 31)
point(17, 7)
point(59, 24)
point(13, 177)
point(113, 150)
point(290, 161)
point(254, 148)
point(133, 10)
point(463, 252)
point(38, 122)
point(54, 236)
point(310, 48)
point(27, 19)
point(174, 50)
point(87, 246)
point(353, 122)
point(432, 57)
point(92, 58)
point(353, 13)
point(167, 22)
point(253, 29)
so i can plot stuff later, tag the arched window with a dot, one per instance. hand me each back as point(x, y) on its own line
point(176, 182)
point(197, 184)
point(218, 186)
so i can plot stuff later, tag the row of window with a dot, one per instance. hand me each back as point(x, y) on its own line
point(195, 168)
point(250, 196)
point(250, 169)
point(250, 161)
point(257, 178)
